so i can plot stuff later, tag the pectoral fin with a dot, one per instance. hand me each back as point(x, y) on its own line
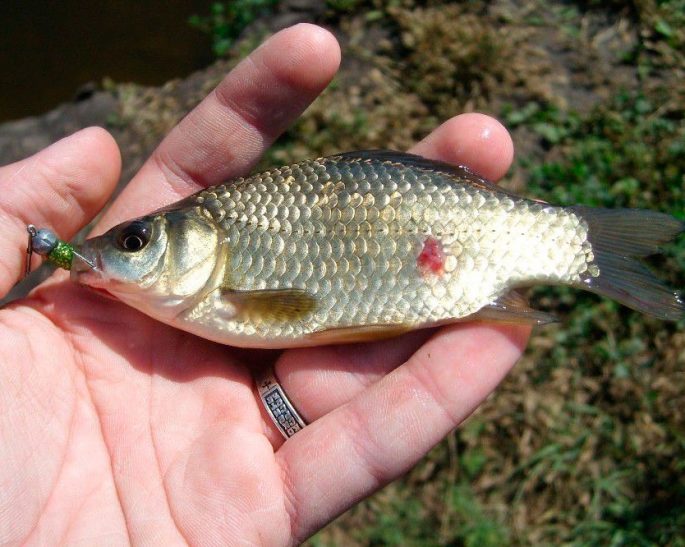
point(272, 304)
point(513, 308)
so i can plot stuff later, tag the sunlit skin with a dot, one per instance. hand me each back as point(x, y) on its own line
point(117, 429)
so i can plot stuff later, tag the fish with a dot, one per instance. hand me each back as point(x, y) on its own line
point(366, 245)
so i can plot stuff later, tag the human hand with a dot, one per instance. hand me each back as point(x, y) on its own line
point(118, 429)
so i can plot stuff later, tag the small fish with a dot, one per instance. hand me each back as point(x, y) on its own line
point(366, 245)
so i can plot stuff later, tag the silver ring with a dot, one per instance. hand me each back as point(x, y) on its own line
point(277, 405)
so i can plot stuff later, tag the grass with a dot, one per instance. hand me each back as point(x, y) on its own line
point(625, 153)
point(227, 20)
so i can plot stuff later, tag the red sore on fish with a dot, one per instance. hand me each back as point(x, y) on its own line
point(431, 259)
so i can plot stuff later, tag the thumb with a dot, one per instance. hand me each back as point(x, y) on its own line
point(61, 187)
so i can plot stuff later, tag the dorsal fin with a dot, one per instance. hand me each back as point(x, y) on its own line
point(461, 172)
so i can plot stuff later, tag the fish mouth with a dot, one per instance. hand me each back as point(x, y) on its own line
point(87, 271)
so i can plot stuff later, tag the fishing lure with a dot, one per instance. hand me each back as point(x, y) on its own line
point(45, 243)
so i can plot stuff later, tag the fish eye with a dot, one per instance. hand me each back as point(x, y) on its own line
point(134, 236)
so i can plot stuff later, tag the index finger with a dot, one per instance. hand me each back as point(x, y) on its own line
point(225, 135)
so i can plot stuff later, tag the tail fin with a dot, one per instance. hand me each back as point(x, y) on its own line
point(618, 236)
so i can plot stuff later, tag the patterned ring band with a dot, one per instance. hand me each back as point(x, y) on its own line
point(277, 405)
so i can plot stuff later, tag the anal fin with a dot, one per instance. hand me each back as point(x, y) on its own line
point(513, 308)
point(358, 333)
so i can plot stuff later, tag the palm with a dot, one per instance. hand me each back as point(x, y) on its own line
point(109, 407)
point(115, 426)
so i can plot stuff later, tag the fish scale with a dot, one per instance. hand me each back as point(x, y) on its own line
point(364, 245)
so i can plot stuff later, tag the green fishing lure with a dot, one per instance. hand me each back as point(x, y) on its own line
point(45, 243)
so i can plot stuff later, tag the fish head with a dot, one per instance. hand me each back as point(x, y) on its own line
point(157, 263)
